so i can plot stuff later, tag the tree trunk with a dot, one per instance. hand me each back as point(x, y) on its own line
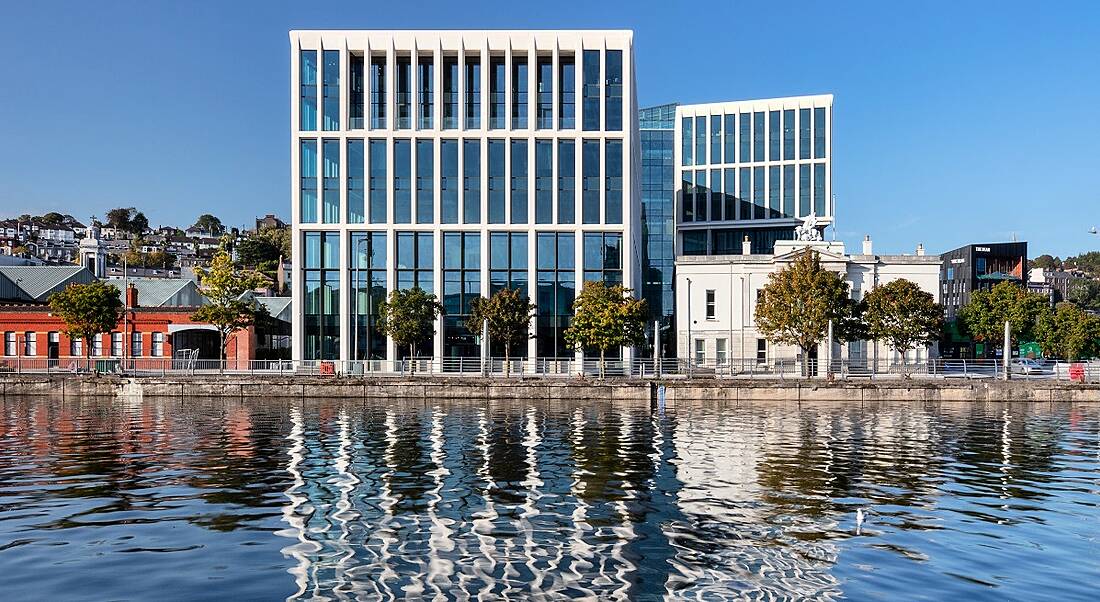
point(602, 352)
point(412, 364)
point(805, 363)
point(507, 360)
point(221, 351)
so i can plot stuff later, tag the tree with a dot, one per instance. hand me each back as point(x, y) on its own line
point(138, 224)
point(1086, 262)
point(1069, 333)
point(606, 317)
point(1085, 293)
point(224, 283)
point(263, 248)
point(508, 313)
point(903, 315)
point(87, 310)
point(800, 300)
point(209, 223)
point(985, 315)
point(1047, 262)
point(408, 317)
point(53, 218)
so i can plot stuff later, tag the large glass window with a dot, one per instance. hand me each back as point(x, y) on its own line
point(425, 77)
point(715, 194)
point(715, 138)
point(355, 92)
point(746, 137)
point(758, 136)
point(415, 260)
point(700, 140)
point(507, 261)
point(745, 194)
point(567, 182)
point(613, 90)
point(357, 161)
point(695, 242)
point(331, 90)
point(450, 92)
point(497, 182)
point(686, 141)
point(425, 181)
point(603, 257)
point(788, 134)
point(497, 113)
point(774, 129)
point(116, 344)
point(403, 95)
point(473, 91)
point(545, 114)
point(556, 291)
point(544, 182)
point(819, 133)
point(471, 181)
point(402, 182)
point(307, 171)
point(819, 189)
point(729, 198)
point(774, 202)
point(687, 186)
point(731, 139)
point(321, 301)
point(448, 181)
point(378, 92)
point(590, 182)
point(788, 191)
point(330, 198)
point(803, 190)
point(368, 282)
point(461, 285)
point(567, 86)
point(378, 177)
point(701, 193)
point(804, 133)
point(590, 92)
point(613, 182)
point(758, 202)
point(307, 74)
point(518, 192)
point(519, 92)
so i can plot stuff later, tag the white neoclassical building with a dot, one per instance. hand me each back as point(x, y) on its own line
point(716, 297)
point(459, 162)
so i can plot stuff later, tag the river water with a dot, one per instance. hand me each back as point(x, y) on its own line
point(320, 499)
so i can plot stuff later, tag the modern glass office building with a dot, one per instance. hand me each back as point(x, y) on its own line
point(459, 162)
point(657, 127)
point(754, 169)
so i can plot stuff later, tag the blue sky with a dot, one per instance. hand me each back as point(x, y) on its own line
point(956, 122)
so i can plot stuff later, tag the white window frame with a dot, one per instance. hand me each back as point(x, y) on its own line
point(158, 344)
point(136, 347)
point(699, 352)
point(10, 346)
point(30, 344)
point(711, 304)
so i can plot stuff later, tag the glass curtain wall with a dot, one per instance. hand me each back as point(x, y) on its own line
point(590, 182)
point(425, 181)
point(461, 285)
point(450, 92)
point(497, 114)
point(544, 182)
point(307, 75)
point(330, 197)
point(473, 91)
point(378, 92)
point(518, 187)
point(567, 86)
point(497, 183)
point(321, 311)
point(378, 178)
point(567, 181)
point(331, 90)
point(613, 91)
point(368, 281)
point(471, 181)
point(403, 93)
point(508, 269)
point(545, 107)
point(402, 181)
point(307, 172)
point(519, 92)
point(448, 181)
point(355, 92)
point(556, 261)
point(425, 92)
point(590, 91)
point(357, 161)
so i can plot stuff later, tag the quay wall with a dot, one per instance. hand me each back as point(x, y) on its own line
point(429, 387)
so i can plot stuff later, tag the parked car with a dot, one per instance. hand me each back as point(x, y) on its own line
point(1026, 366)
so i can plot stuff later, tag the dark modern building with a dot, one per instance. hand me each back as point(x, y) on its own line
point(657, 129)
point(971, 268)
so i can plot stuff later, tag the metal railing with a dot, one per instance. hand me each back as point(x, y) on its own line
point(550, 367)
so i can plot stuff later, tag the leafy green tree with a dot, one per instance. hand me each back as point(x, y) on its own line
point(138, 224)
point(1085, 294)
point(985, 315)
point(87, 310)
point(1047, 262)
point(209, 223)
point(119, 218)
point(263, 248)
point(606, 317)
point(800, 300)
point(408, 317)
point(224, 283)
point(1086, 262)
point(903, 315)
point(53, 218)
point(508, 313)
point(1069, 333)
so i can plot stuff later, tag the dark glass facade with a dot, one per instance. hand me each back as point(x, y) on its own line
point(368, 280)
point(658, 235)
point(321, 301)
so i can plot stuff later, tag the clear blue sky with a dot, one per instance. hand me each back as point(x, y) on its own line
point(956, 122)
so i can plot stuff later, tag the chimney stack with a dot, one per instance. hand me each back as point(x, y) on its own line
point(920, 249)
point(746, 246)
point(867, 249)
point(131, 297)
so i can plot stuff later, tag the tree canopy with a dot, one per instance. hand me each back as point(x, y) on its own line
point(127, 219)
point(985, 315)
point(508, 313)
point(87, 309)
point(224, 283)
point(209, 223)
point(1069, 333)
point(408, 317)
point(1085, 294)
point(903, 315)
point(606, 317)
point(798, 302)
point(262, 249)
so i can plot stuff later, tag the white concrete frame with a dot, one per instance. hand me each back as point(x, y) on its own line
point(720, 109)
point(507, 44)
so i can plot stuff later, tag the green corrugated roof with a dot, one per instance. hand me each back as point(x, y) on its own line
point(37, 282)
point(276, 307)
point(153, 292)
